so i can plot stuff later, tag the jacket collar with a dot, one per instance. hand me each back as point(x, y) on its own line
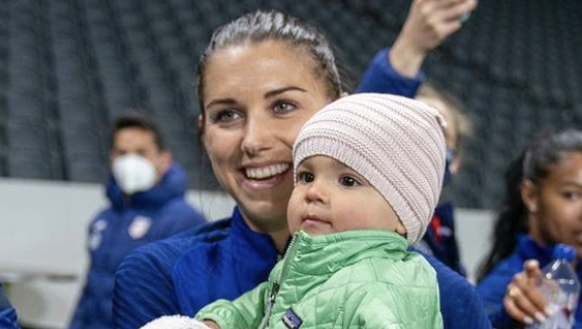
point(246, 238)
point(173, 184)
point(529, 249)
point(327, 254)
point(254, 253)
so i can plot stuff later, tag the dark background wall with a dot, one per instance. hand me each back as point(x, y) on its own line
point(67, 68)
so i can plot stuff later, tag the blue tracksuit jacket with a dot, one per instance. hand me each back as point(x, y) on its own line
point(381, 77)
point(127, 224)
point(8, 319)
point(493, 287)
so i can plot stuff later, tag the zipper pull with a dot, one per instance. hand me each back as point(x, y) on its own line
point(270, 304)
point(274, 293)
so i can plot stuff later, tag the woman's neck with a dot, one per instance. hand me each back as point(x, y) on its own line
point(276, 228)
point(280, 239)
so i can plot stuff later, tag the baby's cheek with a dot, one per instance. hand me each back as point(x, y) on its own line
point(293, 216)
point(354, 218)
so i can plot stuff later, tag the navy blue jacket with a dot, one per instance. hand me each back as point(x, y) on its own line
point(225, 259)
point(381, 77)
point(8, 319)
point(439, 239)
point(127, 224)
point(493, 286)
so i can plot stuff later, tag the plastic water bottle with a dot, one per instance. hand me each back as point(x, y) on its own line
point(561, 288)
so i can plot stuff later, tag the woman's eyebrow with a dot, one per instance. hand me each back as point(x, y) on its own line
point(221, 101)
point(278, 91)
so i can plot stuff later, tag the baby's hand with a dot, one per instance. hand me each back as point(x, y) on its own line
point(179, 322)
point(211, 324)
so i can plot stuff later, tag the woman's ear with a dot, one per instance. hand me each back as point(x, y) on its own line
point(529, 195)
point(455, 164)
point(200, 122)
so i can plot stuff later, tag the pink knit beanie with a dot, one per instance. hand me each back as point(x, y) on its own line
point(396, 143)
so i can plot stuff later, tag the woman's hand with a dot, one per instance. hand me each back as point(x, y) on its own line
point(523, 300)
point(428, 24)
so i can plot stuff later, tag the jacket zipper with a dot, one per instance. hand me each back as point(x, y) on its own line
point(276, 285)
point(269, 309)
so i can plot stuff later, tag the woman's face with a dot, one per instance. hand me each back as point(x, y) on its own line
point(256, 98)
point(555, 204)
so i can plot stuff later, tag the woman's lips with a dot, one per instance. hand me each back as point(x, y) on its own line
point(266, 172)
point(265, 177)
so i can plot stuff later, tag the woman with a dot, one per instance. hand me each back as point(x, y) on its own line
point(543, 207)
point(261, 77)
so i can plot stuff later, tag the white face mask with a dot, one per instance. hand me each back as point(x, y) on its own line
point(134, 173)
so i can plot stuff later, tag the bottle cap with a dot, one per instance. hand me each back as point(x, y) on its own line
point(564, 251)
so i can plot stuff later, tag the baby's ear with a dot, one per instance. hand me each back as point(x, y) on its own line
point(400, 229)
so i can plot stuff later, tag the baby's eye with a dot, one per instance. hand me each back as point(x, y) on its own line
point(305, 177)
point(349, 181)
point(283, 107)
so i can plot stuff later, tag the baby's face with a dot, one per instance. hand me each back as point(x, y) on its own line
point(331, 197)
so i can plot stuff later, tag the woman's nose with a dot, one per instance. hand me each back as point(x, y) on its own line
point(258, 136)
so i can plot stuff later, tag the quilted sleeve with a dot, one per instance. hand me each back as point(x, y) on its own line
point(244, 312)
point(382, 305)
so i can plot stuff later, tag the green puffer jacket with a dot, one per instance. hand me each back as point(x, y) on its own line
point(353, 279)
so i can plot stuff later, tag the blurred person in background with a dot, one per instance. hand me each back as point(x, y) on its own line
point(8, 318)
point(261, 78)
point(440, 239)
point(542, 207)
point(398, 70)
point(146, 194)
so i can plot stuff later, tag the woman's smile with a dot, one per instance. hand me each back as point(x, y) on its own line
point(265, 177)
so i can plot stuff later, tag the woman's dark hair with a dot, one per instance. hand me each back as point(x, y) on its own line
point(271, 25)
point(533, 165)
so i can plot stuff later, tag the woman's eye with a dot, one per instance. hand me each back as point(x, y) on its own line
point(305, 177)
point(226, 116)
point(283, 107)
point(572, 195)
point(349, 181)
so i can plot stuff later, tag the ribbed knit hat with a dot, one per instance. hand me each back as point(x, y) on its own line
point(396, 143)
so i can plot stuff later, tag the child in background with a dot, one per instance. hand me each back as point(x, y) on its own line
point(368, 174)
